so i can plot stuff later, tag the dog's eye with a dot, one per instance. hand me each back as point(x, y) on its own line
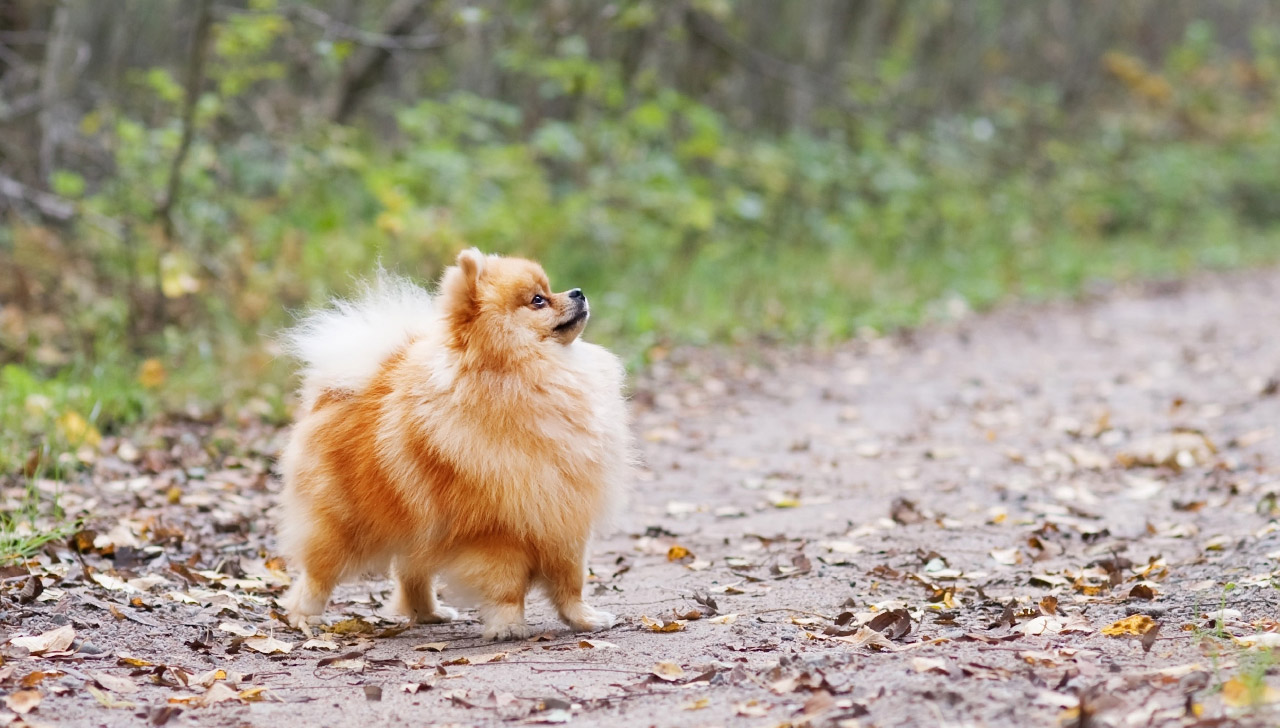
point(538, 301)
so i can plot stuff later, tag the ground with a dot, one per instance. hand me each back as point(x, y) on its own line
point(939, 528)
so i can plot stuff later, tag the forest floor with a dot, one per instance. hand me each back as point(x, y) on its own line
point(1061, 514)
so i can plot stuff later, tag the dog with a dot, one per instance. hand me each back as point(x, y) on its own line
point(470, 435)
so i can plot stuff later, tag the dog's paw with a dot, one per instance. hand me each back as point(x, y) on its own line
point(441, 615)
point(300, 606)
point(506, 631)
point(589, 619)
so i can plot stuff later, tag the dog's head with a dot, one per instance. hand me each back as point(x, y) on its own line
point(505, 307)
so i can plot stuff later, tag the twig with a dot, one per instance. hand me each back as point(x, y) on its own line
point(194, 80)
point(588, 669)
point(789, 609)
point(556, 662)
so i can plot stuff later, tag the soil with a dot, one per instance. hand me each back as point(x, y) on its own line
point(933, 528)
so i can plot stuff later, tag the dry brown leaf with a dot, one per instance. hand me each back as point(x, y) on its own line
point(23, 701)
point(867, 637)
point(668, 671)
point(654, 625)
point(114, 683)
point(893, 624)
point(355, 625)
point(431, 647)
point(55, 640)
point(218, 692)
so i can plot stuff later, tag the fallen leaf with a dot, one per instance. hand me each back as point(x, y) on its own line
point(1263, 640)
point(597, 645)
point(904, 512)
point(1238, 693)
point(724, 619)
point(1136, 625)
point(114, 683)
point(752, 709)
point(219, 692)
point(55, 640)
point(662, 626)
point(431, 647)
point(677, 552)
point(1142, 591)
point(268, 645)
point(930, 664)
point(1179, 449)
point(107, 701)
point(236, 629)
point(321, 644)
point(668, 671)
point(355, 625)
point(23, 701)
point(353, 661)
point(894, 624)
point(1007, 557)
point(698, 704)
point(866, 637)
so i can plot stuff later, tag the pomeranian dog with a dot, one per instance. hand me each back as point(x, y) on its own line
point(470, 435)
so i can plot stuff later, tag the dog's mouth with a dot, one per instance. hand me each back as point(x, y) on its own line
point(579, 318)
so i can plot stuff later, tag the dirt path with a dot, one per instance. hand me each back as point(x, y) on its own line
point(1011, 485)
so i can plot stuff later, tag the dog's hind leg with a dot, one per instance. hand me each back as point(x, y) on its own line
point(416, 591)
point(564, 574)
point(499, 575)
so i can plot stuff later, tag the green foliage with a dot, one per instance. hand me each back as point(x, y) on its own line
point(681, 223)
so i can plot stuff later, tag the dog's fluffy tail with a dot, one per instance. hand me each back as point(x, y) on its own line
point(342, 347)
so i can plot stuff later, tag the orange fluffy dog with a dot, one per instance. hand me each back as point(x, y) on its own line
point(469, 434)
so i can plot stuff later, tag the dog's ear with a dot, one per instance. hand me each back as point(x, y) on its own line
point(459, 285)
point(471, 263)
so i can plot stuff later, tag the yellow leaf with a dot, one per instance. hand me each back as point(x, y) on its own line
point(152, 374)
point(677, 552)
point(176, 279)
point(658, 626)
point(1137, 625)
point(354, 625)
point(78, 431)
point(698, 704)
point(1239, 694)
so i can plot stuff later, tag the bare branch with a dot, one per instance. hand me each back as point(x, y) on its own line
point(364, 68)
point(46, 203)
point(334, 28)
point(194, 80)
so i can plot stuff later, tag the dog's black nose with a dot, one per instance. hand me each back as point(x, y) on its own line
point(576, 293)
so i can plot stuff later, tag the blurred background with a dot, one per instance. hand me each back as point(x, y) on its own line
point(178, 176)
